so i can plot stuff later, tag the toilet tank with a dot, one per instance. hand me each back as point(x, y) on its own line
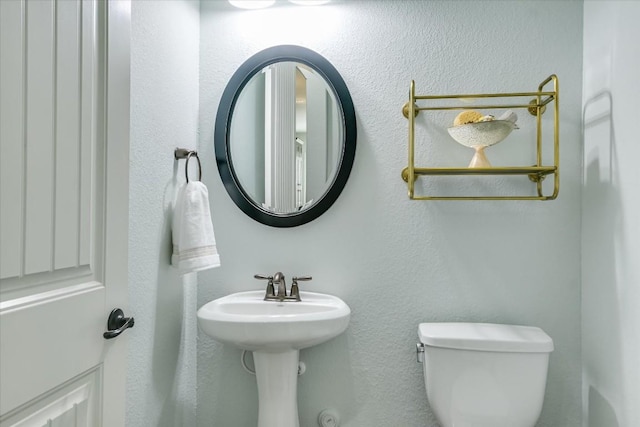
point(485, 375)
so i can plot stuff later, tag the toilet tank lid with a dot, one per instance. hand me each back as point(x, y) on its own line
point(485, 337)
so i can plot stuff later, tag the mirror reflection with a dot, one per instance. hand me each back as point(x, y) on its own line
point(286, 138)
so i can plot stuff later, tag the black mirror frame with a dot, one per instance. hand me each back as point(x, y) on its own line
point(222, 129)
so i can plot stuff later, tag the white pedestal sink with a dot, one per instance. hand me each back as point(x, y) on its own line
point(275, 332)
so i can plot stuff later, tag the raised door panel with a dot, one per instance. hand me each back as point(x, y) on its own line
point(50, 188)
point(74, 403)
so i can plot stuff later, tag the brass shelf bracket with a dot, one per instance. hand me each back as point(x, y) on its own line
point(536, 173)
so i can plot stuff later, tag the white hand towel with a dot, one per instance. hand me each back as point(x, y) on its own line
point(194, 244)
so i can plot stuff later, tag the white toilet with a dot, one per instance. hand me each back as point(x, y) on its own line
point(484, 375)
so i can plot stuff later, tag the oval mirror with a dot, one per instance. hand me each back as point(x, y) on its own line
point(285, 136)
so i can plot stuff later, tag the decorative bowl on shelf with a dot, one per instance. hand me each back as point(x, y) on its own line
point(481, 135)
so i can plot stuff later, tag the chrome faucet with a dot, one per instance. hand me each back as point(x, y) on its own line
point(280, 293)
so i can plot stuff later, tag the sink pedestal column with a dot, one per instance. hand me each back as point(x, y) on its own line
point(277, 377)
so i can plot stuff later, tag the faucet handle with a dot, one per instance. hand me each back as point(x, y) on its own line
point(295, 291)
point(270, 292)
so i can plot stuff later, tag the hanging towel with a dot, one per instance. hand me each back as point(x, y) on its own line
point(194, 244)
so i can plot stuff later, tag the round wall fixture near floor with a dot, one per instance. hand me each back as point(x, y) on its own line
point(328, 418)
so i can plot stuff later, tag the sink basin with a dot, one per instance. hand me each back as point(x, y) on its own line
point(275, 332)
point(248, 322)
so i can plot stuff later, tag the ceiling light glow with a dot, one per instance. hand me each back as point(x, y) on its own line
point(252, 4)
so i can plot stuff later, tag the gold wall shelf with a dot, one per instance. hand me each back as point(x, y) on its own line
point(535, 173)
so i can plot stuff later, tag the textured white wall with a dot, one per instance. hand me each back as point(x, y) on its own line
point(398, 262)
point(161, 379)
point(611, 212)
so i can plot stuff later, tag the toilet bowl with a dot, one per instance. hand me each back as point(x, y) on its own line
point(484, 375)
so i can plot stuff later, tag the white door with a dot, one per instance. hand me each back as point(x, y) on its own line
point(64, 166)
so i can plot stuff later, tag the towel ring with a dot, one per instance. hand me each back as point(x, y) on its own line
point(184, 153)
point(186, 166)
